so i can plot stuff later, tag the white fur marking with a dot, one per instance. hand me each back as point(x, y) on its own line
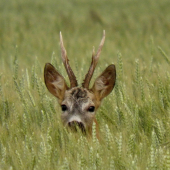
point(59, 83)
point(75, 118)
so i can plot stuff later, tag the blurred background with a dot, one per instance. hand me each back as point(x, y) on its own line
point(134, 119)
point(34, 25)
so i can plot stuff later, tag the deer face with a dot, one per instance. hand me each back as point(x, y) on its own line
point(79, 104)
point(78, 108)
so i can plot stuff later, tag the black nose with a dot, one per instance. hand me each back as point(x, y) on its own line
point(74, 124)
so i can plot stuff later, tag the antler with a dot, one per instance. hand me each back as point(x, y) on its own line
point(72, 77)
point(95, 58)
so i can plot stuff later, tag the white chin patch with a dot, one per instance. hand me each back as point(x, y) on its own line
point(75, 118)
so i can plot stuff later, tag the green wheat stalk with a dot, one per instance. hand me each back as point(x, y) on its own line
point(164, 54)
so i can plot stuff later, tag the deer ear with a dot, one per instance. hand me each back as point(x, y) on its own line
point(104, 84)
point(54, 81)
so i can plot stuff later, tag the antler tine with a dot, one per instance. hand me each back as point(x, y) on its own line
point(95, 58)
point(72, 77)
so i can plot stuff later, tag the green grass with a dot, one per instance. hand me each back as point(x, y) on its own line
point(134, 119)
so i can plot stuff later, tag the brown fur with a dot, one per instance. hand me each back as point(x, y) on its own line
point(78, 101)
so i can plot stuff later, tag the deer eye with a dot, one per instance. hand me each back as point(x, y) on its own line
point(91, 109)
point(63, 107)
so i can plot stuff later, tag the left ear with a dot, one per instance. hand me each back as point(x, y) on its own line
point(104, 84)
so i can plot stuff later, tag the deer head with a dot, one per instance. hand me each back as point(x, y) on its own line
point(79, 104)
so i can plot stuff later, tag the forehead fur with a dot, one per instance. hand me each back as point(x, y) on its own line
point(78, 95)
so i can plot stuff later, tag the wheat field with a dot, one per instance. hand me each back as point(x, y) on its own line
point(134, 120)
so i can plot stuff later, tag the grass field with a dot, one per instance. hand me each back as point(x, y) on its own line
point(134, 119)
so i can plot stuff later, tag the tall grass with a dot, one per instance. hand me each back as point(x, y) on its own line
point(134, 120)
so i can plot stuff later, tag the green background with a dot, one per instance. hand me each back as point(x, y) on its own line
point(134, 119)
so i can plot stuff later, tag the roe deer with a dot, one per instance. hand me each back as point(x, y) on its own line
point(79, 104)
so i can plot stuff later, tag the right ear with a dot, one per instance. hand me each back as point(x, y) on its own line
point(105, 82)
point(54, 81)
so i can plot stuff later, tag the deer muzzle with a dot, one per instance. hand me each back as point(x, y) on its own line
point(73, 125)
